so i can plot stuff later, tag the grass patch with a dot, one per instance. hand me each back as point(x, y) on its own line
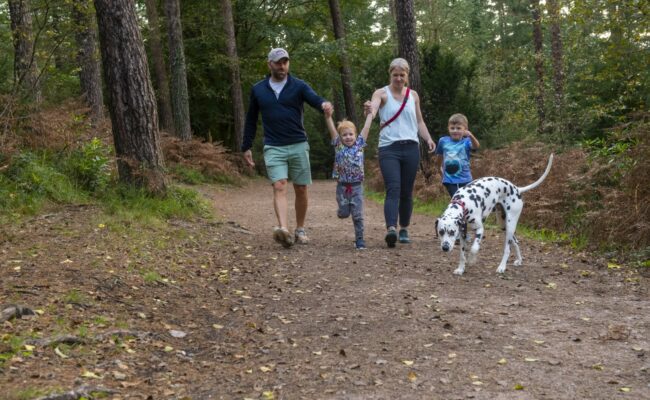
point(193, 176)
point(436, 207)
point(27, 394)
point(151, 277)
point(432, 208)
point(75, 296)
point(129, 204)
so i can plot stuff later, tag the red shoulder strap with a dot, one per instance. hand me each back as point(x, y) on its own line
point(394, 117)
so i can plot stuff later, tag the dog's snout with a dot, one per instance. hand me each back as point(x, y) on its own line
point(445, 247)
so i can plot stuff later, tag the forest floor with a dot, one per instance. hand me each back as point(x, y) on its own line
point(214, 309)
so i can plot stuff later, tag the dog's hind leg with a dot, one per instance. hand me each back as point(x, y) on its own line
point(511, 226)
point(515, 244)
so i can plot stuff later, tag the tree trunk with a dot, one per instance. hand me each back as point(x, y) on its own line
point(132, 103)
point(235, 84)
point(179, 93)
point(25, 68)
point(346, 74)
point(159, 68)
point(556, 54)
point(88, 58)
point(539, 65)
point(408, 49)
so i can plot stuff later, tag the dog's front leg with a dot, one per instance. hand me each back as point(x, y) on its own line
point(461, 264)
point(477, 240)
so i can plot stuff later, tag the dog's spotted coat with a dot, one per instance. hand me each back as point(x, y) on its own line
point(472, 204)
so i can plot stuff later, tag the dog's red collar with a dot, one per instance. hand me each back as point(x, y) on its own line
point(461, 204)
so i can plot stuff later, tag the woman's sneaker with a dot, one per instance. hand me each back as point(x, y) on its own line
point(391, 237)
point(283, 236)
point(301, 236)
point(360, 244)
point(404, 236)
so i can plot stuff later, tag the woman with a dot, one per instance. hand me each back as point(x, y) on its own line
point(399, 155)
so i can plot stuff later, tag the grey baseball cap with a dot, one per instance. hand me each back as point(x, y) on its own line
point(278, 54)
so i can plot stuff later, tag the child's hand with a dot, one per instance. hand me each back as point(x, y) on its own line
point(466, 133)
point(328, 112)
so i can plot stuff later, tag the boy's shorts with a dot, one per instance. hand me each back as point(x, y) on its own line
point(288, 162)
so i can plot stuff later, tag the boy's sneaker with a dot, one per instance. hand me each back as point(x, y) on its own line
point(283, 236)
point(301, 236)
point(404, 236)
point(360, 244)
point(391, 237)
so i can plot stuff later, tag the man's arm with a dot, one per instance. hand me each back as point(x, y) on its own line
point(315, 100)
point(250, 125)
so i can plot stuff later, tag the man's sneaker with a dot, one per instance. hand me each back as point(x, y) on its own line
point(391, 237)
point(404, 236)
point(283, 236)
point(360, 244)
point(301, 236)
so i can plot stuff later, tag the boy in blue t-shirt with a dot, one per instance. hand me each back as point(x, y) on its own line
point(455, 151)
point(348, 169)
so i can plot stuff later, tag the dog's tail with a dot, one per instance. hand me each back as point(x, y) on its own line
point(541, 179)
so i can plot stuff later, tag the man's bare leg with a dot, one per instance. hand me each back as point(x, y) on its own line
point(301, 204)
point(280, 202)
point(301, 213)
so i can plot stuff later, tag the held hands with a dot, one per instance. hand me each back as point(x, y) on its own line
point(367, 108)
point(248, 156)
point(328, 112)
point(327, 108)
point(431, 145)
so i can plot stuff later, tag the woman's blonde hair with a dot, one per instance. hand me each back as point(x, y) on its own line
point(399, 63)
point(346, 124)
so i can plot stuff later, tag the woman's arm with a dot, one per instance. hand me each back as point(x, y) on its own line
point(422, 127)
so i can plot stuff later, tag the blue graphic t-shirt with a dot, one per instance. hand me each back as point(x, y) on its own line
point(455, 162)
point(348, 161)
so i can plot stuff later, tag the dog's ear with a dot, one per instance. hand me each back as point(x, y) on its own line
point(437, 227)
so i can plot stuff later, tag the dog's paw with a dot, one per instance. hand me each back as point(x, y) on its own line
point(459, 271)
point(475, 248)
point(517, 263)
point(501, 269)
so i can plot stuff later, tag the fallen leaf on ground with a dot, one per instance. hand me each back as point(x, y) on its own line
point(90, 374)
point(59, 353)
point(502, 361)
point(407, 362)
point(412, 376)
point(519, 387)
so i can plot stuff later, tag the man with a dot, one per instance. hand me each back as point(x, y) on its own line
point(280, 98)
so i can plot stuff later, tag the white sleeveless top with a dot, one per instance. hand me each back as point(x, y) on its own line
point(405, 127)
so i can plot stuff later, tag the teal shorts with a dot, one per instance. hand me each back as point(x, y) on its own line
point(288, 162)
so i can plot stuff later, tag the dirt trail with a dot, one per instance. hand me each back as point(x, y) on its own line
point(396, 323)
point(321, 321)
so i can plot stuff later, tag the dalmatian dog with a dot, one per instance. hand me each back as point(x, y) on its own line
point(472, 204)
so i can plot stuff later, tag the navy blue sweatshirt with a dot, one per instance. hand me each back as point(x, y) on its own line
point(282, 118)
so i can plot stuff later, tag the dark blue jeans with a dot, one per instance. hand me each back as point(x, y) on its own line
point(453, 187)
point(399, 164)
